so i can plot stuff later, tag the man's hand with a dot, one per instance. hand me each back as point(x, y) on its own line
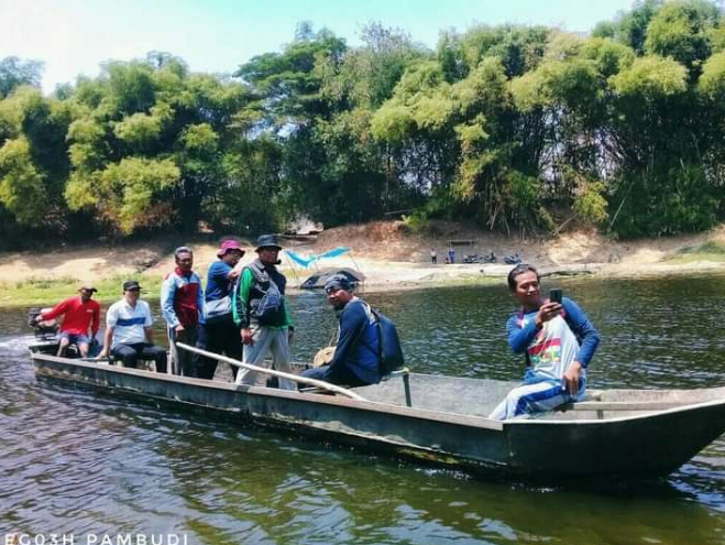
point(547, 311)
point(179, 328)
point(572, 376)
point(290, 335)
point(247, 336)
point(103, 354)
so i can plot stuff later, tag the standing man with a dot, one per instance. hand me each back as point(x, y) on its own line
point(451, 254)
point(81, 315)
point(356, 361)
point(182, 305)
point(220, 334)
point(260, 312)
point(433, 256)
point(558, 340)
point(128, 330)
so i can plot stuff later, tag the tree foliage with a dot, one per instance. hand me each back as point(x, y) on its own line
point(15, 72)
point(516, 128)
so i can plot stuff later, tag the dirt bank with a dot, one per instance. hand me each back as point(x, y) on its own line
point(390, 256)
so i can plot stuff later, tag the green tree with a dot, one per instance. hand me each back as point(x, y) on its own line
point(22, 190)
point(680, 30)
point(139, 120)
point(15, 72)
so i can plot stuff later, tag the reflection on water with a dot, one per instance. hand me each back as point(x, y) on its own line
point(72, 460)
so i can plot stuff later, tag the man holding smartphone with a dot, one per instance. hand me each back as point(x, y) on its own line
point(558, 340)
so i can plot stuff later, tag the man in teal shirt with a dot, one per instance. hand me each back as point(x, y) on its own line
point(260, 311)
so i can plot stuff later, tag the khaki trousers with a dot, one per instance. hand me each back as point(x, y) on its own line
point(267, 340)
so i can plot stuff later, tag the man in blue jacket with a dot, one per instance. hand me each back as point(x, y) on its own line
point(219, 333)
point(182, 306)
point(356, 361)
point(558, 341)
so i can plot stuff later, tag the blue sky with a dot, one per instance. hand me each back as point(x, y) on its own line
point(73, 37)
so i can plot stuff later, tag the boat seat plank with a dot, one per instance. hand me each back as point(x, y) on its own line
point(621, 406)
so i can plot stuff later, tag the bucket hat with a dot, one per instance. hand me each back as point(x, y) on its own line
point(227, 246)
point(267, 241)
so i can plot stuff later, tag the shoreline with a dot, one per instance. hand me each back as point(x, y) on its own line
point(390, 258)
point(381, 276)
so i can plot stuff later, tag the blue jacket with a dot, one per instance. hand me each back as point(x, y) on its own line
point(358, 342)
point(182, 299)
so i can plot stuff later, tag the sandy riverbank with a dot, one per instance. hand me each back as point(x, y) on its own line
point(389, 256)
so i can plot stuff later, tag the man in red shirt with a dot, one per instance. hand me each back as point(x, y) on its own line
point(80, 313)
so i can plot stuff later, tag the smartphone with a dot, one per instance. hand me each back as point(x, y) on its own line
point(555, 295)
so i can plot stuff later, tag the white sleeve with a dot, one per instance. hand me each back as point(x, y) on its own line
point(112, 316)
point(149, 318)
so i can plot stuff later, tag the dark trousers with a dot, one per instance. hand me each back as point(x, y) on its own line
point(129, 354)
point(184, 360)
point(339, 375)
point(221, 336)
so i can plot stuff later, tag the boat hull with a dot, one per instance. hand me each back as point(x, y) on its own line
point(539, 449)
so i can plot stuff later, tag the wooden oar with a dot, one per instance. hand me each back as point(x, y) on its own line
point(296, 378)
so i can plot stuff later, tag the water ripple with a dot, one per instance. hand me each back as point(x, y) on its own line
point(76, 460)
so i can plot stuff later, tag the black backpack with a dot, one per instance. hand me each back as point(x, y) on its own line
point(389, 349)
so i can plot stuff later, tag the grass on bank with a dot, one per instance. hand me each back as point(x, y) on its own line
point(708, 251)
point(47, 292)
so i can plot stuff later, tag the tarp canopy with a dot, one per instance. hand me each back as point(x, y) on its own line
point(309, 260)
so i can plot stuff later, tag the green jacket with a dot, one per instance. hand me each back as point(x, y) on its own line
point(248, 291)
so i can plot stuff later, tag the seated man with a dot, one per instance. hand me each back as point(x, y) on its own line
point(80, 315)
point(356, 361)
point(549, 333)
point(128, 330)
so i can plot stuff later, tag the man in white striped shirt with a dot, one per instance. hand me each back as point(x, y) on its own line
point(128, 330)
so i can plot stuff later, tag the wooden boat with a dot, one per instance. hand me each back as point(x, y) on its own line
point(442, 420)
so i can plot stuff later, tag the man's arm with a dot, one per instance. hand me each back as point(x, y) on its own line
point(352, 322)
point(583, 329)
point(200, 301)
point(519, 337)
point(240, 298)
point(580, 325)
point(111, 319)
point(149, 335)
point(57, 310)
point(287, 315)
point(168, 292)
point(95, 321)
point(107, 336)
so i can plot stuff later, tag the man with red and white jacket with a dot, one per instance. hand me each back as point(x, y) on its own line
point(80, 315)
point(182, 305)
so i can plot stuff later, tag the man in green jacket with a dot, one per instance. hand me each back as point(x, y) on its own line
point(260, 311)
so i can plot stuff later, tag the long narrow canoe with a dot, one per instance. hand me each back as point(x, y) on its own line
point(629, 433)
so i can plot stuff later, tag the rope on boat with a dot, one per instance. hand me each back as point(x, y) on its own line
point(303, 380)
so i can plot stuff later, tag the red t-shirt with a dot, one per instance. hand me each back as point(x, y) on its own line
point(77, 315)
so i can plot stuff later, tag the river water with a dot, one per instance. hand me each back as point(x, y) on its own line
point(86, 465)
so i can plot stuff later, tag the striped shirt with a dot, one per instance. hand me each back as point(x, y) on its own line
point(128, 322)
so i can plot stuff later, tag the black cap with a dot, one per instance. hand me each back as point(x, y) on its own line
point(268, 241)
point(339, 282)
point(131, 285)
